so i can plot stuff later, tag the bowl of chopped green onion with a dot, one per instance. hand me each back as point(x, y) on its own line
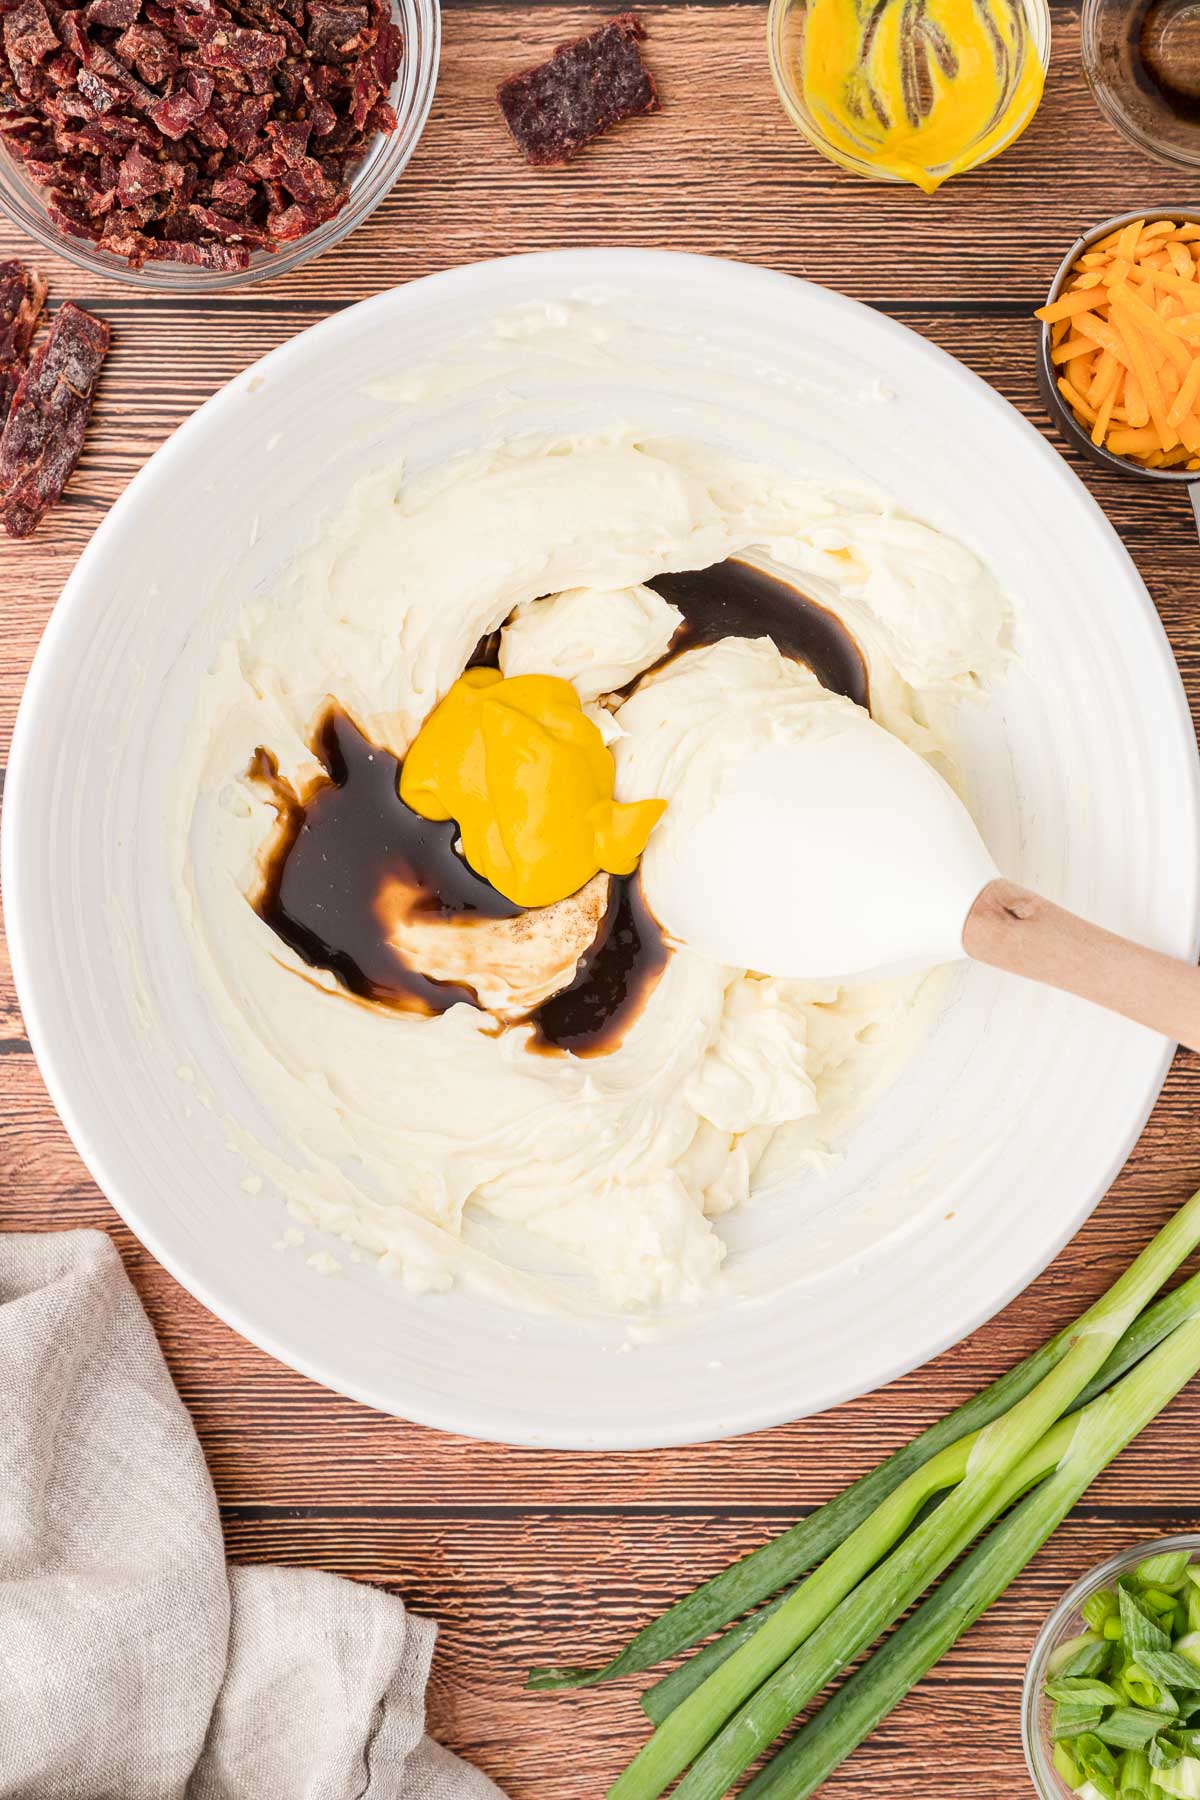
point(1111, 1708)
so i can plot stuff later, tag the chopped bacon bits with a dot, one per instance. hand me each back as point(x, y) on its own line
point(585, 87)
point(44, 431)
point(194, 131)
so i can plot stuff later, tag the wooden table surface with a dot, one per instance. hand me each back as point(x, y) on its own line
point(522, 1555)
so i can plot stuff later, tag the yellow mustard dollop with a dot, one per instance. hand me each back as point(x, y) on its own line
point(920, 91)
point(528, 779)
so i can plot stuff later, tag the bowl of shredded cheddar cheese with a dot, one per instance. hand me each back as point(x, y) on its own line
point(1120, 347)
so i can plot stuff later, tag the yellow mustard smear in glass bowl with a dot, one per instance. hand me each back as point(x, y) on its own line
point(910, 90)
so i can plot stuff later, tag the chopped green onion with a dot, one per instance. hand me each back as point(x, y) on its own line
point(1167, 1570)
point(1096, 1659)
point(1098, 1608)
point(1083, 1650)
point(1082, 1692)
point(1097, 1762)
point(1183, 1780)
point(1129, 1728)
point(1068, 1719)
point(1133, 1775)
point(1169, 1669)
point(1143, 1690)
point(1067, 1767)
point(1138, 1630)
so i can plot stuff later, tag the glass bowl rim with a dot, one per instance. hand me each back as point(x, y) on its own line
point(412, 95)
point(1061, 413)
point(1041, 31)
point(1103, 94)
point(1033, 1743)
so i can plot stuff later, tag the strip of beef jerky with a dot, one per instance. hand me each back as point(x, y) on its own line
point(44, 432)
point(22, 293)
point(586, 87)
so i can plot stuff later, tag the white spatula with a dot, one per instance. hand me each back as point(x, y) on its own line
point(842, 855)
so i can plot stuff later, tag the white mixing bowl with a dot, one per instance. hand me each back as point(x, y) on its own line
point(954, 1190)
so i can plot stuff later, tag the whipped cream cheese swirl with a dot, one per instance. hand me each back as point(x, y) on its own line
point(445, 1145)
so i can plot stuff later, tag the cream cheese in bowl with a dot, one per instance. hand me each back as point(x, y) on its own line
point(407, 1124)
point(680, 1236)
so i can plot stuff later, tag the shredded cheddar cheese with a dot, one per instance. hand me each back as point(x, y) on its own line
point(1125, 343)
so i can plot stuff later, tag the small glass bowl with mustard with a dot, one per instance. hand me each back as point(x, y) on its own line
point(1119, 360)
point(902, 92)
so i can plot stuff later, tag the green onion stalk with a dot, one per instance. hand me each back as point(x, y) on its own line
point(673, 1689)
point(854, 1595)
point(1096, 1435)
point(788, 1556)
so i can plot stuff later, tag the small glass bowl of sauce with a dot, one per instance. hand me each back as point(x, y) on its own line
point(908, 93)
point(1142, 60)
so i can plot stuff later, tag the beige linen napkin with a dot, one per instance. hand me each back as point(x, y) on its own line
point(134, 1665)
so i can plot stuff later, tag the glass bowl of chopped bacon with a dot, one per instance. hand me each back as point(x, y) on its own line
point(200, 144)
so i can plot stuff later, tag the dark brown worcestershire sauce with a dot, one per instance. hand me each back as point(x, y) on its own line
point(732, 599)
point(337, 850)
point(348, 842)
point(343, 845)
point(614, 978)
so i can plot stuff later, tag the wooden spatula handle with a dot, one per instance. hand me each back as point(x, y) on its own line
point(1016, 930)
